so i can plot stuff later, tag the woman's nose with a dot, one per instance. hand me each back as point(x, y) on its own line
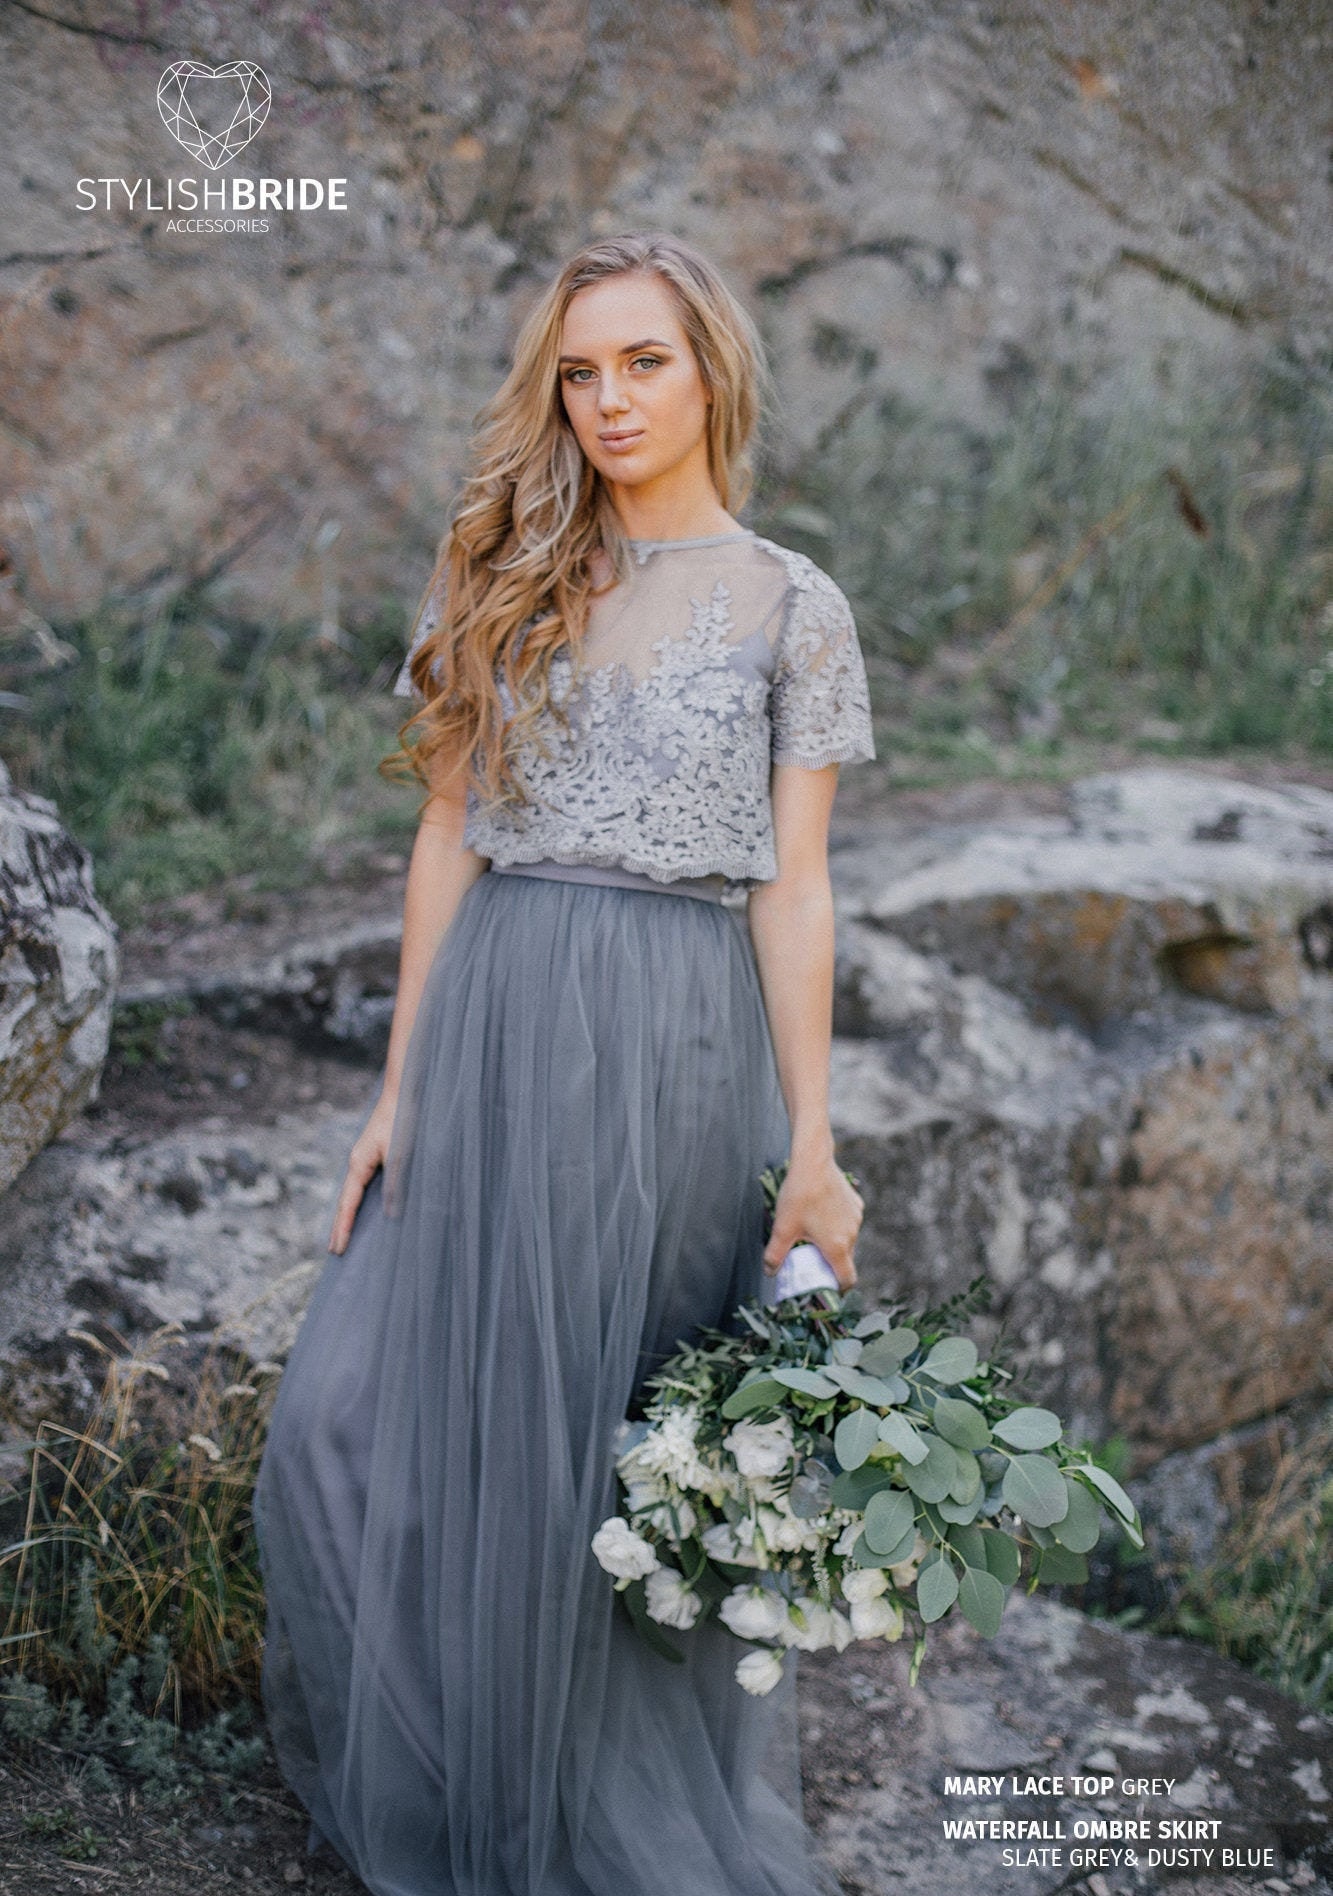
point(612, 398)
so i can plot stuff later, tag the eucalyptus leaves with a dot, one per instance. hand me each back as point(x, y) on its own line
point(825, 1475)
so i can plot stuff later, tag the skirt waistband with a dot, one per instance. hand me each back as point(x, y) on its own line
point(707, 888)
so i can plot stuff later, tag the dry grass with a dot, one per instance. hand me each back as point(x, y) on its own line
point(1266, 1599)
point(136, 1537)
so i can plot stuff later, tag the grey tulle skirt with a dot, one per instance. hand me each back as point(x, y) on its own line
point(452, 1686)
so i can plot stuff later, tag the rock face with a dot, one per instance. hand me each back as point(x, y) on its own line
point(1089, 1057)
point(203, 1229)
point(1162, 882)
point(58, 968)
point(1056, 1698)
point(923, 203)
point(340, 987)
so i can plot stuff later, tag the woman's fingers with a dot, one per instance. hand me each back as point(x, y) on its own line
point(360, 1170)
point(345, 1216)
point(844, 1269)
point(811, 1216)
point(365, 1159)
point(780, 1240)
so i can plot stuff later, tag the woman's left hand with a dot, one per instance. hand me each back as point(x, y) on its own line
point(817, 1202)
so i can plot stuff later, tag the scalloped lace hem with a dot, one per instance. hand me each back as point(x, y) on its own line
point(849, 753)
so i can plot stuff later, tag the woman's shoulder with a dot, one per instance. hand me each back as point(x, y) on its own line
point(807, 581)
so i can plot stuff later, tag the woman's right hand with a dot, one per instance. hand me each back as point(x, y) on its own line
point(367, 1156)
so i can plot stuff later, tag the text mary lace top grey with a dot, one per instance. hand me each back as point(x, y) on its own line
point(720, 657)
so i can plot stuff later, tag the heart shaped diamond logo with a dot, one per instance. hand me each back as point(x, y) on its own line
point(214, 111)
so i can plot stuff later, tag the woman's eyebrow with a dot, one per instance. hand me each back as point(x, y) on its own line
point(649, 342)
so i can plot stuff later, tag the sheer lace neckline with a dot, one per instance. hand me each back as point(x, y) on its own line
point(707, 539)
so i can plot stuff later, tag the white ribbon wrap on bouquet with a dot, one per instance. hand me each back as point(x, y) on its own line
point(805, 1268)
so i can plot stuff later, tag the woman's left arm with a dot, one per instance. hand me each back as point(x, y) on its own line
point(791, 928)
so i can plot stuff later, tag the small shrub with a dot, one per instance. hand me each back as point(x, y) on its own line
point(1266, 1599)
point(137, 1039)
point(134, 1570)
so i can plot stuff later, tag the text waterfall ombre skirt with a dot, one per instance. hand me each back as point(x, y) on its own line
point(452, 1686)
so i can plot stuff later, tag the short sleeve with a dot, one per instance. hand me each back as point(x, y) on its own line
point(819, 700)
point(428, 624)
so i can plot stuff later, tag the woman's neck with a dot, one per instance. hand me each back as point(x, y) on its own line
point(672, 517)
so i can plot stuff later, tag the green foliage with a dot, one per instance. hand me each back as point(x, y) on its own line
point(183, 751)
point(136, 1032)
point(76, 1846)
point(1152, 573)
point(890, 1452)
point(130, 1737)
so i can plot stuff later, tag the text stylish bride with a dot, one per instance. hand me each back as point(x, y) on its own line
point(614, 1010)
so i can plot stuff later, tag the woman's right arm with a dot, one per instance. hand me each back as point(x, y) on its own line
point(442, 870)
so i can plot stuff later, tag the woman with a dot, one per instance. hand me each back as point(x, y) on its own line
point(630, 704)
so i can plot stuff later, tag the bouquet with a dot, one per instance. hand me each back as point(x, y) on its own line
point(823, 1474)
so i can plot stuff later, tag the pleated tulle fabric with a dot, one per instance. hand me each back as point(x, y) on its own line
point(452, 1687)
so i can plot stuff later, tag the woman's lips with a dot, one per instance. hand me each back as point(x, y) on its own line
point(617, 443)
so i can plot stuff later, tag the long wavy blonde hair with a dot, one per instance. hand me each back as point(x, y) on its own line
point(534, 511)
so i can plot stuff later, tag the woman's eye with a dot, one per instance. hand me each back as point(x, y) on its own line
point(574, 375)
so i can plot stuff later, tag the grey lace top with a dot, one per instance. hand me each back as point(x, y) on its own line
point(720, 657)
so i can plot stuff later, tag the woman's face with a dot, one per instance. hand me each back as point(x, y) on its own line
point(632, 388)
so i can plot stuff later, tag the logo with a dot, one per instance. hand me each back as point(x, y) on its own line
point(214, 111)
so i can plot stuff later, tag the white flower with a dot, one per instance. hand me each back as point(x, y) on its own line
point(754, 1613)
point(720, 1543)
point(762, 1448)
point(670, 1601)
point(863, 1583)
point(784, 1533)
point(759, 1671)
point(906, 1570)
point(678, 1522)
point(623, 1552)
point(734, 1546)
point(877, 1619)
point(643, 1492)
point(822, 1627)
point(848, 1537)
point(668, 1449)
point(715, 1484)
point(661, 1508)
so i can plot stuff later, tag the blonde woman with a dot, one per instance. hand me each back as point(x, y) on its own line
point(614, 1011)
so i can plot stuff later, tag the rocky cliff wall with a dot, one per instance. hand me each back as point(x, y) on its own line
point(928, 203)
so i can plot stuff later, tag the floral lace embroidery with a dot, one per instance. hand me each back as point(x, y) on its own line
point(649, 767)
point(669, 775)
point(821, 701)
